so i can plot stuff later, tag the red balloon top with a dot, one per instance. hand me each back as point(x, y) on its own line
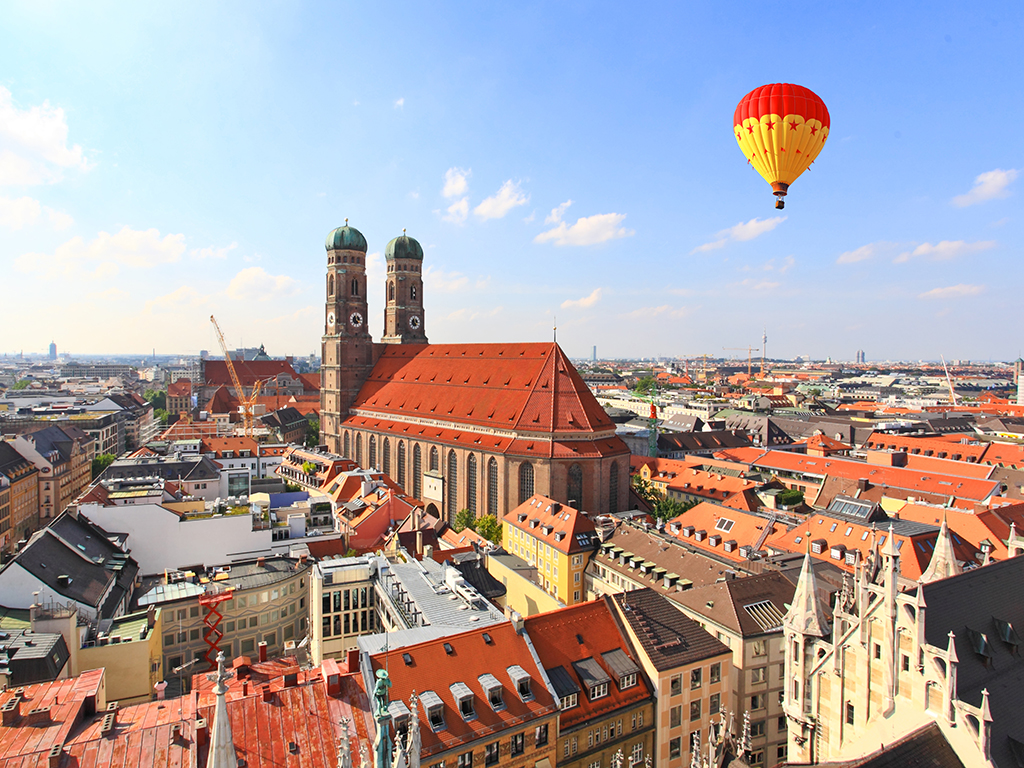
point(781, 99)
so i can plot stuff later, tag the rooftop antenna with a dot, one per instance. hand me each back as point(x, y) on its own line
point(554, 328)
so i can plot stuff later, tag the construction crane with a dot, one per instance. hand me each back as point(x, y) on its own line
point(949, 381)
point(749, 350)
point(247, 403)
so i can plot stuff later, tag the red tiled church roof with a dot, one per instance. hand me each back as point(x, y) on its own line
point(249, 371)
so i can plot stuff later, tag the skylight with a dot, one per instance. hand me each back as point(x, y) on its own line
point(724, 524)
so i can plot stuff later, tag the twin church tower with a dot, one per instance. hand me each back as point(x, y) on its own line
point(349, 352)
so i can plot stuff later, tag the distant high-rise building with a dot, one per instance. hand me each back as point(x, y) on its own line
point(594, 356)
point(861, 359)
point(53, 350)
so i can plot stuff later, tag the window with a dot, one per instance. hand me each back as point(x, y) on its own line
point(675, 717)
point(372, 449)
point(433, 458)
point(417, 471)
point(613, 488)
point(525, 481)
point(540, 735)
point(598, 691)
point(636, 755)
point(169, 640)
point(471, 483)
point(675, 748)
point(849, 713)
point(568, 702)
point(781, 753)
point(676, 685)
point(626, 681)
point(517, 744)
point(756, 757)
point(715, 704)
point(906, 663)
point(466, 760)
point(694, 710)
point(435, 714)
point(695, 678)
point(878, 651)
point(401, 463)
point(757, 728)
point(760, 647)
point(355, 287)
point(595, 764)
point(492, 487)
point(574, 486)
point(491, 753)
point(565, 748)
point(757, 701)
point(758, 674)
point(716, 672)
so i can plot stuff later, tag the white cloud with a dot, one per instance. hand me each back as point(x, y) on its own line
point(181, 298)
point(16, 213)
point(589, 230)
point(399, 103)
point(752, 284)
point(105, 254)
point(58, 219)
point(213, 253)
point(990, 185)
point(508, 197)
point(787, 264)
point(556, 214)
point(456, 182)
point(451, 282)
point(745, 230)
point(256, 284)
point(34, 144)
point(458, 211)
point(945, 250)
point(586, 301)
point(863, 253)
point(952, 292)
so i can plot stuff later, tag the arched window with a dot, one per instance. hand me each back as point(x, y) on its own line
point(386, 459)
point(330, 285)
point(355, 287)
point(401, 464)
point(391, 291)
point(372, 450)
point(492, 486)
point(525, 481)
point(471, 483)
point(613, 489)
point(433, 458)
point(575, 486)
point(417, 472)
point(412, 292)
point(359, 449)
point(348, 446)
point(453, 486)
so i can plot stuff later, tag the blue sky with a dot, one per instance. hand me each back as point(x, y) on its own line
point(160, 162)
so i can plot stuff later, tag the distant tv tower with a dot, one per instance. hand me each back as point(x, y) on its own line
point(764, 348)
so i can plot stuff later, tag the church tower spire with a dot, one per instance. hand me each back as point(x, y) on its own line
point(403, 312)
point(347, 346)
point(805, 616)
point(943, 563)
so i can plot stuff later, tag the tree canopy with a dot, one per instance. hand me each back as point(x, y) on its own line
point(101, 462)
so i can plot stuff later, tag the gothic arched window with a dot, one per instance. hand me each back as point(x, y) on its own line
point(412, 292)
point(417, 472)
point(372, 450)
point(391, 291)
point(330, 285)
point(525, 481)
point(386, 459)
point(613, 489)
point(347, 450)
point(575, 486)
point(492, 486)
point(355, 287)
point(401, 463)
point(471, 483)
point(359, 449)
point(433, 458)
point(453, 485)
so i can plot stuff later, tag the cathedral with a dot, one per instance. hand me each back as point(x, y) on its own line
point(459, 426)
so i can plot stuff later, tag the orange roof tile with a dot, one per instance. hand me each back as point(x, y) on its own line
point(717, 528)
point(249, 371)
point(556, 524)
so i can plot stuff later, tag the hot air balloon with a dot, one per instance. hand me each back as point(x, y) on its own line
point(781, 128)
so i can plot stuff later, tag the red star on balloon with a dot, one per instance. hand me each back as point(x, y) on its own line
point(750, 129)
point(771, 124)
point(813, 130)
point(792, 124)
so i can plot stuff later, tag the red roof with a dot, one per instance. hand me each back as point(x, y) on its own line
point(310, 382)
point(556, 524)
point(526, 387)
point(218, 445)
point(249, 371)
point(431, 668)
point(717, 528)
point(578, 633)
point(180, 388)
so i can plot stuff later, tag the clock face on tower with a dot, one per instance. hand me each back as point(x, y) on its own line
point(330, 319)
point(355, 319)
point(414, 322)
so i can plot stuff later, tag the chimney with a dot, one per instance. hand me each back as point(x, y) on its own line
point(352, 660)
point(11, 710)
point(291, 678)
point(260, 562)
point(263, 650)
point(419, 544)
point(268, 695)
point(54, 756)
point(151, 617)
point(245, 687)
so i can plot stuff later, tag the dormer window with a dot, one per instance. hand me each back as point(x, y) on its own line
point(598, 691)
point(434, 708)
point(492, 691)
point(569, 701)
point(627, 681)
point(521, 680)
point(593, 676)
point(464, 700)
point(400, 715)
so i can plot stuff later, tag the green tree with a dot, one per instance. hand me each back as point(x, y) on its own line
point(464, 519)
point(308, 467)
point(666, 509)
point(161, 415)
point(312, 432)
point(790, 497)
point(157, 397)
point(23, 384)
point(489, 527)
point(646, 386)
point(644, 489)
point(101, 462)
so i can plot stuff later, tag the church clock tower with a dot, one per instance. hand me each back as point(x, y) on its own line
point(403, 313)
point(347, 346)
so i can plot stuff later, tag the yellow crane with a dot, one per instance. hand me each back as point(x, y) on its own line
point(247, 403)
point(749, 350)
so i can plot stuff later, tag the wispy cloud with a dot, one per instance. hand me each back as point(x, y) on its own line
point(105, 254)
point(399, 103)
point(665, 310)
point(16, 213)
point(863, 253)
point(456, 182)
point(34, 145)
point(589, 230)
point(781, 267)
point(752, 284)
point(181, 298)
point(944, 250)
point(458, 211)
point(586, 301)
point(556, 213)
point(452, 282)
point(990, 185)
point(212, 253)
point(745, 230)
point(256, 284)
point(952, 292)
point(509, 196)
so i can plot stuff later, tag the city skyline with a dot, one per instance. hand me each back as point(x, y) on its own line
point(157, 166)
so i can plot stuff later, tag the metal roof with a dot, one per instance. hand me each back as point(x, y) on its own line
point(619, 663)
point(590, 672)
point(562, 681)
